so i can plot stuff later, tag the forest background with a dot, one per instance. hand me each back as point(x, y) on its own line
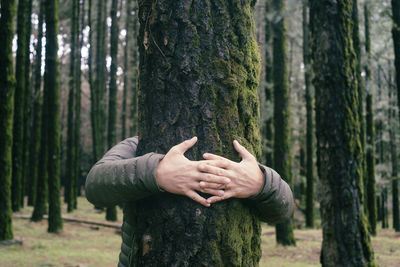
point(98, 69)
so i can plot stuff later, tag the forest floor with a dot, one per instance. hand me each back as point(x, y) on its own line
point(87, 245)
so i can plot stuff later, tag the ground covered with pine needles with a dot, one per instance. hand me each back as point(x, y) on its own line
point(87, 245)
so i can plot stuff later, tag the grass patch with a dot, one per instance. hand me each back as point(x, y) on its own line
point(84, 245)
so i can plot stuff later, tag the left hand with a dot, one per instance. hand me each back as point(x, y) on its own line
point(246, 177)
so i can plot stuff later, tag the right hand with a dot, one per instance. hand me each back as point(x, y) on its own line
point(179, 175)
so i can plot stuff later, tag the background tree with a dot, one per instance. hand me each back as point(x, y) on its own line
point(183, 61)
point(370, 149)
point(52, 87)
point(18, 123)
point(7, 88)
point(126, 69)
point(134, 70)
point(111, 213)
point(310, 123)
point(282, 156)
point(345, 242)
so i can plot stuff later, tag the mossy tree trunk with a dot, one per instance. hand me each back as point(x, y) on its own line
point(346, 241)
point(18, 123)
point(199, 70)
point(111, 213)
point(7, 88)
point(269, 126)
point(310, 195)
point(71, 143)
point(371, 191)
point(36, 117)
point(134, 68)
point(282, 156)
point(52, 87)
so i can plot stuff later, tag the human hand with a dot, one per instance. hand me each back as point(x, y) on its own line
point(246, 177)
point(179, 175)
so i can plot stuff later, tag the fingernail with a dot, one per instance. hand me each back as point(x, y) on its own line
point(202, 184)
point(221, 193)
point(227, 180)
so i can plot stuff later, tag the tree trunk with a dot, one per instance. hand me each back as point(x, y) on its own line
point(194, 82)
point(385, 220)
point(52, 86)
point(71, 149)
point(346, 241)
point(111, 213)
point(370, 175)
point(134, 75)
point(310, 124)
point(127, 83)
point(396, 45)
point(18, 123)
point(282, 156)
point(269, 127)
point(37, 106)
point(7, 85)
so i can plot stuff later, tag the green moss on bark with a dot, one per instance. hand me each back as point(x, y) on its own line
point(7, 85)
point(202, 55)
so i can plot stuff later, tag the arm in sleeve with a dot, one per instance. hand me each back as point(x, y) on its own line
point(274, 203)
point(120, 177)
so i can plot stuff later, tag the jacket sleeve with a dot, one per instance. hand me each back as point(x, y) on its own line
point(274, 203)
point(121, 177)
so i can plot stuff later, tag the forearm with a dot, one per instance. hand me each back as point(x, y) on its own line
point(274, 203)
point(121, 177)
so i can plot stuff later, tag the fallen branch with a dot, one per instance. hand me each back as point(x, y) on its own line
point(77, 220)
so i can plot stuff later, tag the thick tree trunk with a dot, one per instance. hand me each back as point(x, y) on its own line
point(7, 85)
point(269, 126)
point(52, 86)
point(396, 45)
point(111, 213)
point(310, 123)
point(18, 123)
point(134, 67)
point(199, 70)
point(282, 156)
point(127, 83)
point(370, 175)
point(346, 241)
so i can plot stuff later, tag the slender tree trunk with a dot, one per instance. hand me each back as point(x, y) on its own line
point(71, 157)
point(134, 68)
point(7, 88)
point(269, 126)
point(371, 191)
point(126, 69)
point(52, 86)
point(111, 213)
point(385, 220)
point(396, 45)
point(310, 124)
point(18, 123)
point(37, 106)
point(346, 241)
point(27, 105)
point(282, 156)
point(185, 59)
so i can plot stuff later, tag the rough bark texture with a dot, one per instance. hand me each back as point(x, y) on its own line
point(370, 160)
point(18, 123)
point(37, 111)
point(7, 88)
point(52, 86)
point(310, 195)
point(346, 241)
point(282, 156)
point(199, 70)
point(269, 125)
point(111, 213)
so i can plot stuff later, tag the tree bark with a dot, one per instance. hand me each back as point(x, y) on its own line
point(199, 70)
point(7, 85)
point(282, 154)
point(52, 86)
point(134, 75)
point(310, 195)
point(396, 44)
point(127, 83)
point(346, 241)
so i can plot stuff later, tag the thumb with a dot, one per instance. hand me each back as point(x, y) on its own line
point(185, 145)
point(242, 151)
